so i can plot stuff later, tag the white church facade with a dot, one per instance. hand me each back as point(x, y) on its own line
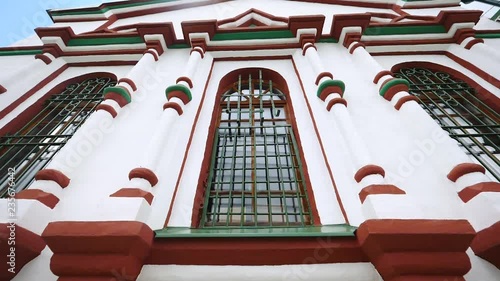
point(158, 140)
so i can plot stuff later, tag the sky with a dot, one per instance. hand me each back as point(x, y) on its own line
point(18, 18)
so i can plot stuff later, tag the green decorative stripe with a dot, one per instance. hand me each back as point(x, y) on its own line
point(391, 83)
point(20, 52)
point(404, 30)
point(105, 7)
point(104, 41)
point(273, 34)
point(328, 83)
point(488, 35)
point(179, 46)
point(179, 87)
point(342, 230)
point(119, 90)
point(328, 40)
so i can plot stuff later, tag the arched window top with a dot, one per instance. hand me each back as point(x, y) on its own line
point(467, 112)
point(64, 109)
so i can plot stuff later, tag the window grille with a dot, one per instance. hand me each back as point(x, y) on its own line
point(255, 177)
point(454, 105)
point(33, 146)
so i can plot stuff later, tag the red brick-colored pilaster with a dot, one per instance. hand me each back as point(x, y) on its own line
point(417, 249)
point(28, 245)
point(107, 250)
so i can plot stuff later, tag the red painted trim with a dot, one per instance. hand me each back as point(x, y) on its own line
point(120, 100)
point(108, 108)
point(472, 191)
point(31, 92)
point(486, 244)
point(155, 55)
point(98, 250)
point(2, 89)
point(427, 250)
point(256, 58)
point(410, 53)
point(185, 79)
point(476, 70)
point(350, 38)
point(254, 11)
point(144, 173)
point(368, 170)
point(102, 63)
point(330, 90)
point(357, 45)
point(202, 54)
point(473, 42)
point(464, 169)
point(174, 106)
point(44, 58)
point(484, 95)
point(129, 82)
point(307, 46)
point(335, 101)
point(180, 95)
point(134, 192)
point(462, 34)
point(28, 246)
point(389, 94)
point(379, 189)
point(48, 199)
point(380, 75)
point(404, 100)
point(256, 251)
point(53, 175)
point(323, 75)
point(330, 173)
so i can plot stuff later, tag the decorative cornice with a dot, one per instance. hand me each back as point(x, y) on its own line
point(144, 173)
point(404, 100)
point(472, 191)
point(464, 169)
point(134, 193)
point(379, 189)
point(393, 86)
point(53, 175)
point(108, 108)
point(48, 199)
point(335, 101)
point(486, 244)
point(120, 94)
point(175, 106)
point(179, 91)
point(328, 87)
point(368, 170)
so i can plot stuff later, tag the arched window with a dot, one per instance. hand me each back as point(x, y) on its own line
point(456, 106)
point(255, 175)
point(32, 147)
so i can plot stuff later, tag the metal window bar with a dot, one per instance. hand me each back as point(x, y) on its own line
point(457, 109)
point(256, 177)
point(33, 146)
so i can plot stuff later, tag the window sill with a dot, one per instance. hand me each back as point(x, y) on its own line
point(339, 230)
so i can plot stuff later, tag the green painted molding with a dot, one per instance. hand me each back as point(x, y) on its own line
point(496, 15)
point(488, 35)
point(103, 8)
point(178, 87)
point(273, 34)
point(328, 83)
point(104, 41)
point(179, 46)
point(393, 82)
point(403, 30)
point(119, 90)
point(20, 52)
point(340, 230)
point(328, 40)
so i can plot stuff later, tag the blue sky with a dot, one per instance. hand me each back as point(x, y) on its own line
point(18, 18)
